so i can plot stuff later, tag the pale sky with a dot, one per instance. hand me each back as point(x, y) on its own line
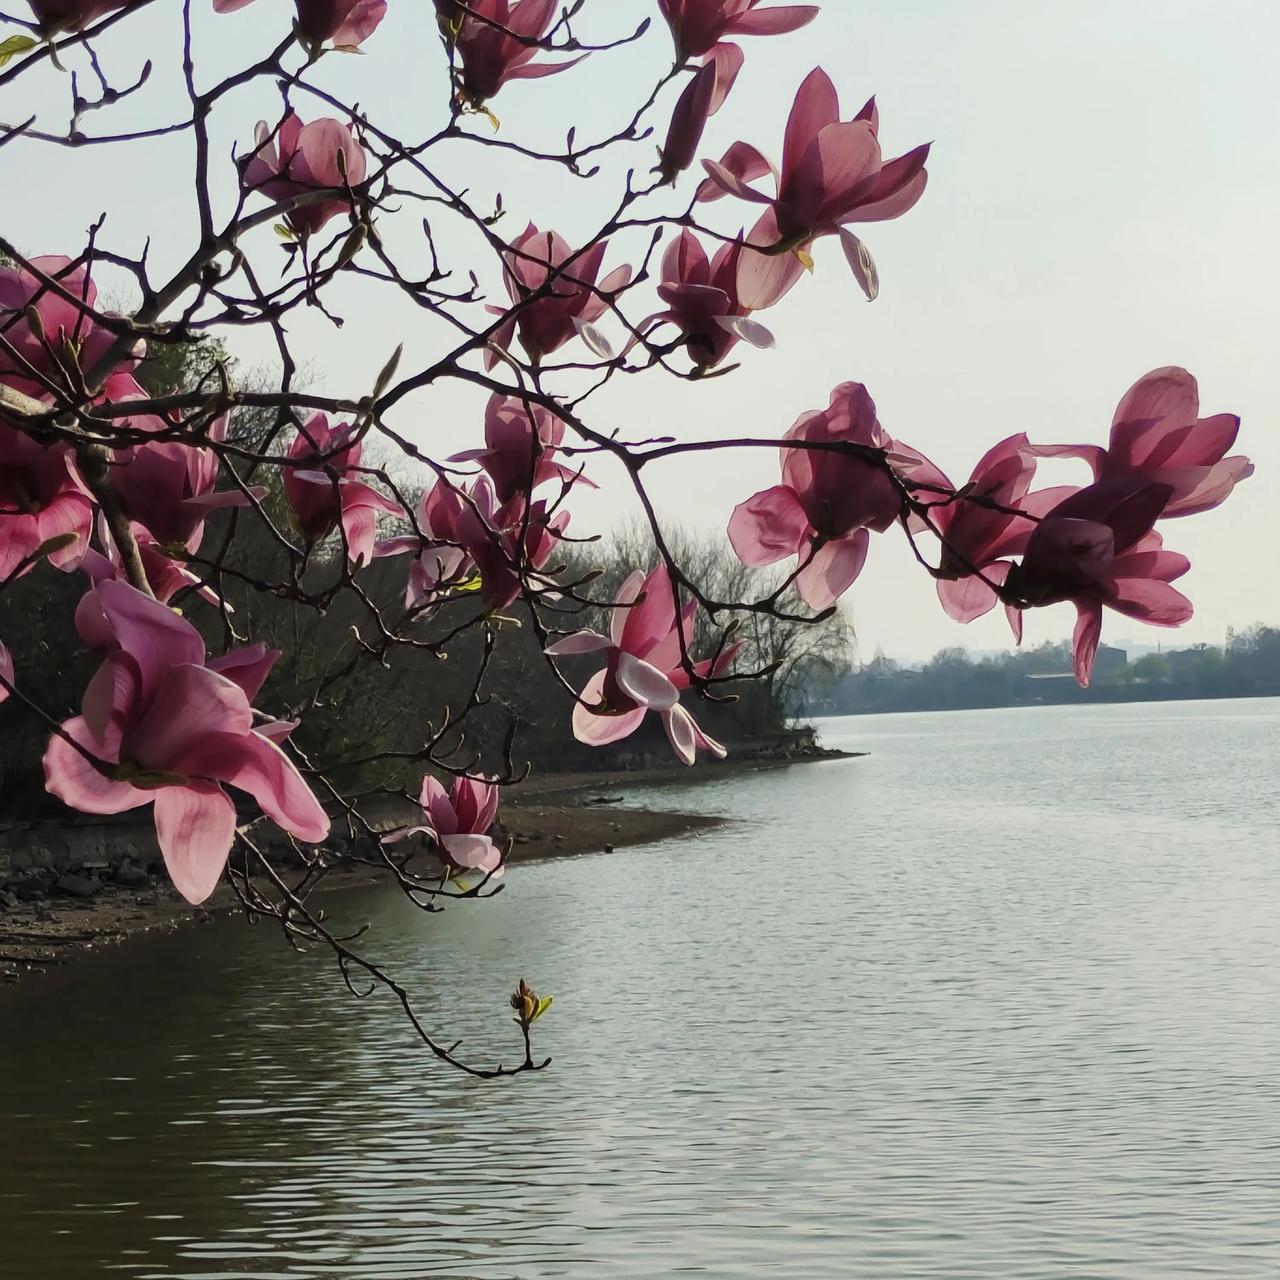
point(1103, 200)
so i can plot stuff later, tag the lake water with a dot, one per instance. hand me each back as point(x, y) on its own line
point(1000, 1000)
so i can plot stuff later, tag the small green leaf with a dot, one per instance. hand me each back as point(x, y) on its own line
point(51, 546)
point(14, 45)
point(285, 232)
point(544, 1003)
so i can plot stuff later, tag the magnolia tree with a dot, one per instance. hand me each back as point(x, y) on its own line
point(142, 496)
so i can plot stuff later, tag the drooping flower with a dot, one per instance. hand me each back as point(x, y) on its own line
point(1097, 549)
point(832, 174)
point(1158, 435)
point(324, 490)
point(458, 821)
point(51, 337)
point(168, 486)
point(991, 520)
point(345, 23)
point(521, 443)
point(644, 668)
point(541, 262)
point(702, 300)
point(496, 41)
point(300, 159)
point(697, 26)
point(54, 16)
point(829, 502)
point(41, 502)
point(162, 726)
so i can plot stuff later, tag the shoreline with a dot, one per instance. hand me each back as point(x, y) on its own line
point(553, 816)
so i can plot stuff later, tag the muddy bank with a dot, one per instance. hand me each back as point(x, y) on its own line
point(56, 922)
point(53, 917)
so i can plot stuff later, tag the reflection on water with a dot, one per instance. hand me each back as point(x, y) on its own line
point(1001, 1000)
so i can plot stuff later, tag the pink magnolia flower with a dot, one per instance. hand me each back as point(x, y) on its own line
point(324, 492)
point(458, 821)
point(474, 543)
point(702, 300)
point(496, 42)
point(644, 669)
point(1098, 549)
point(992, 520)
point(168, 486)
point(507, 543)
point(347, 23)
point(832, 174)
point(538, 262)
point(439, 567)
point(520, 449)
point(1158, 435)
point(40, 501)
point(437, 571)
point(167, 728)
point(6, 670)
point(299, 159)
point(54, 16)
point(50, 335)
point(699, 25)
point(828, 503)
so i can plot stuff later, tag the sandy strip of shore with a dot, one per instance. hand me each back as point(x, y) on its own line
point(556, 815)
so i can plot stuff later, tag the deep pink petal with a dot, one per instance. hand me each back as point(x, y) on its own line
point(769, 527)
point(816, 106)
point(1167, 396)
point(833, 569)
point(579, 642)
point(773, 22)
point(1084, 644)
point(189, 704)
point(152, 634)
point(248, 667)
point(195, 826)
point(77, 783)
point(965, 599)
point(1152, 601)
point(254, 764)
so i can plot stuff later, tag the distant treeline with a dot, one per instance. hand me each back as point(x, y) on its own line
point(1248, 665)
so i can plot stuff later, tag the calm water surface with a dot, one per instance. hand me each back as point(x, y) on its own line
point(1000, 1000)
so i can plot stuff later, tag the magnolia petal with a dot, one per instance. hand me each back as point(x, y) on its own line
point(579, 642)
point(472, 853)
point(257, 765)
point(643, 683)
point(833, 569)
point(861, 263)
point(78, 783)
point(195, 826)
point(749, 331)
point(680, 733)
point(769, 526)
point(594, 338)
